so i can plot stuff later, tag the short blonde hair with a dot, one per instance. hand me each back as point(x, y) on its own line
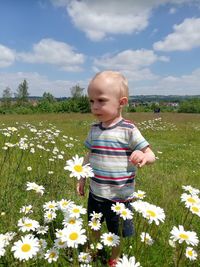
point(117, 78)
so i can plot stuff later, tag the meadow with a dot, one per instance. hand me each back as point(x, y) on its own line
point(35, 148)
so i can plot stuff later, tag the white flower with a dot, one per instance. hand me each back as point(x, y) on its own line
point(110, 239)
point(191, 253)
point(191, 190)
point(126, 214)
point(146, 238)
point(195, 209)
point(52, 255)
point(180, 235)
point(139, 194)
point(95, 224)
point(49, 216)
point(84, 257)
point(26, 248)
point(72, 221)
point(77, 169)
point(27, 224)
point(190, 200)
point(26, 209)
point(58, 243)
point(29, 168)
point(35, 187)
point(64, 204)
point(76, 210)
point(96, 215)
point(2, 251)
point(51, 206)
point(74, 236)
point(42, 230)
point(125, 262)
point(153, 213)
point(117, 207)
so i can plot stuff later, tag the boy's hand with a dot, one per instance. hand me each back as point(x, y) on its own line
point(138, 158)
point(80, 187)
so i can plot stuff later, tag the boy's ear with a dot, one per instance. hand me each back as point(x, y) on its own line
point(123, 101)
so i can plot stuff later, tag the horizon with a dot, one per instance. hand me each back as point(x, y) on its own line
point(55, 45)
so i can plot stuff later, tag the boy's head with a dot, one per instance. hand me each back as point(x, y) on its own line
point(108, 93)
point(115, 80)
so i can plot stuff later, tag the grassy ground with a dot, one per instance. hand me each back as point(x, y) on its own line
point(174, 139)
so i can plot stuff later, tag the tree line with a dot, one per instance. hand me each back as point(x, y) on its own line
point(21, 103)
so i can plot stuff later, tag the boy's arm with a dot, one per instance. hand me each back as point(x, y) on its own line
point(142, 157)
point(81, 183)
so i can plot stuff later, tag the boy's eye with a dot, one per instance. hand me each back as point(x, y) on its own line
point(91, 101)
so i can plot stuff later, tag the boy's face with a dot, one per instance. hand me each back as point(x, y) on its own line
point(105, 100)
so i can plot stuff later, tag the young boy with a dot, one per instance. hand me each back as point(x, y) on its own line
point(116, 149)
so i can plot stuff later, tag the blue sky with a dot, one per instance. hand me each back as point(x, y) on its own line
point(56, 44)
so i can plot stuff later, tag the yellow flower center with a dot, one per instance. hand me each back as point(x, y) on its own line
point(26, 247)
point(61, 243)
point(110, 238)
point(151, 213)
point(72, 221)
point(28, 224)
point(51, 206)
point(183, 236)
point(140, 195)
point(76, 210)
point(118, 208)
point(195, 209)
point(191, 200)
point(190, 253)
point(124, 212)
point(52, 255)
point(73, 236)
point(78, 168)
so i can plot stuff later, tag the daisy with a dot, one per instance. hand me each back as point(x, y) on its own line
point(139, 194)
point(26, 248)
point(96, 215)
point(51, 255)
point(74, 236)
point(146, 238)
point(64, 204)
point(191, 253)
point(77, 169)
point(118, 207)
point(153, 214)
point(125, 262)
point(72, 221)
point(2, 251)
point(27, 224)
point(126, 214)
point(180, 235)
point(191, 190)
point(58, 243)
point(76, 211)
point(190, 200)
point(110, 239)
point(42, 230)
point(84, 257)
point(195, 209)
point(35, 187)
point(26, 209)
point(95, 224)
point(49, 216)
point(51, 206)
point(29, 168)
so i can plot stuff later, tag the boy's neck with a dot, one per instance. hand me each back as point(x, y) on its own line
point(108, 124)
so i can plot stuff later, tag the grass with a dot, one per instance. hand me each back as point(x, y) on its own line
point(174, 139)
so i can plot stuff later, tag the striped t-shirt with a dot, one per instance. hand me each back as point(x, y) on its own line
point(110, 149)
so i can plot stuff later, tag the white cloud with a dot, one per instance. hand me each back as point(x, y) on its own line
point(101, 18)
point(185, 37)
point(172, 85)
point(7, 56)
point(133, 63)
point(56, 53)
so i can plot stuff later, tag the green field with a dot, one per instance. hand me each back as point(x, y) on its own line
point(174, 138)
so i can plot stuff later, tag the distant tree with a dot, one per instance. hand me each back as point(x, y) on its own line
point(48, 97)
point(76, 91)
point(7, 97)
point(22, 93)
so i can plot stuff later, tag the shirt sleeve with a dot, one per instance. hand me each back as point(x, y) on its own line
point(88, 141)
point(136, 140)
